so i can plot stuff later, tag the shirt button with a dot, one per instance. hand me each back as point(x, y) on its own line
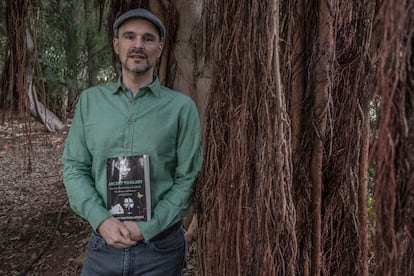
point(127, 146)
point(130, 122)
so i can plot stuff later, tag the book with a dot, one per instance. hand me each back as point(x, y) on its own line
point(128, 187)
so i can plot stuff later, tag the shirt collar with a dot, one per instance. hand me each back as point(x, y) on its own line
point(154, 87)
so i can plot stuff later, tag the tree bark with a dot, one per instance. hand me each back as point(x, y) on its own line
point(191, 75)
point(322, 88)
point(298, 74)
point(160, 9)
point(297, 56)
point(244, 197)
point(394, 147)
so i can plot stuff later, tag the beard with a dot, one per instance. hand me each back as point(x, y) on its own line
point(131, 65)
point(137, 68)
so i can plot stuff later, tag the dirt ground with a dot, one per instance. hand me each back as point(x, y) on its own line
point(36, 223)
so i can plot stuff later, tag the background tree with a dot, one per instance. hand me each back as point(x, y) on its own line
point(244, 198)
point(19, 90)
point(394, 151)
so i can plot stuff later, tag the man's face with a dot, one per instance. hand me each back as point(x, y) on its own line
point(138, 46)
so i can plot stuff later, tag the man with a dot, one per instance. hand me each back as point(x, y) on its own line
point(134, 116)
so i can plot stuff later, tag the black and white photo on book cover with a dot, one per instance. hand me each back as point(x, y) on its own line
point(128, 187)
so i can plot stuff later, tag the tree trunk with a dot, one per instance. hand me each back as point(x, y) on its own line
point(90, 41)
point(394, 147)
point(344, 191)
point(244, 199)
point(297, 33)
point(166, 12)
point(191, 74)
point(322, 87)
point(298, 72)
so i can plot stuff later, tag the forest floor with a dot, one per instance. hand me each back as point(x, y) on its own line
point(39, 233)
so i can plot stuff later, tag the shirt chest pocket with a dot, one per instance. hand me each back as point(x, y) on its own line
point(104, 136)
point(161, 140)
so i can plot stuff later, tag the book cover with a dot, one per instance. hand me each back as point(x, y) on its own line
point(128, 187)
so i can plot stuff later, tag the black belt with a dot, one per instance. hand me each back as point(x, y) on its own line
point(167, 231)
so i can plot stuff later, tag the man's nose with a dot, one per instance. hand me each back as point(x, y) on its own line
point(139, 43)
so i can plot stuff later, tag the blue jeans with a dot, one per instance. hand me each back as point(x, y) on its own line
point(163, 257)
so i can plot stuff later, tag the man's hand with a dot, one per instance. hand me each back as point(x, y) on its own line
point(136, 234)
point(116, 233)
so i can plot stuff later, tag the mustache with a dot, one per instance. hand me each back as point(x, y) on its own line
point(137, 52)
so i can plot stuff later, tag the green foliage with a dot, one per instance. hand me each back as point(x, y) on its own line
point(74, 51)
point(70, 46)
point(371, 210)
point(371, 182)
point(54, 48)
point(3, 37)
point(371, 170)
point(2, 41)
point(52, 57)
point(2, 52)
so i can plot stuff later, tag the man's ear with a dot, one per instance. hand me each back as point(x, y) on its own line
point(115, 42)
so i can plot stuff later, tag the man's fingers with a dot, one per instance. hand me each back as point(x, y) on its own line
point(124, 231)
point(134, 230)
point(119, 240)
point(122, 238)
point(115, 233)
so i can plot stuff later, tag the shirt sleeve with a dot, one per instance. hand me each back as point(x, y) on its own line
point(176, 203)
point(77, 177)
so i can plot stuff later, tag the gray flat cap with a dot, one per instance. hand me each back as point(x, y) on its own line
point(139, 13)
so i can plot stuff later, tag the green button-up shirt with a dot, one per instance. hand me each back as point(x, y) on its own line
point(159, 122)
